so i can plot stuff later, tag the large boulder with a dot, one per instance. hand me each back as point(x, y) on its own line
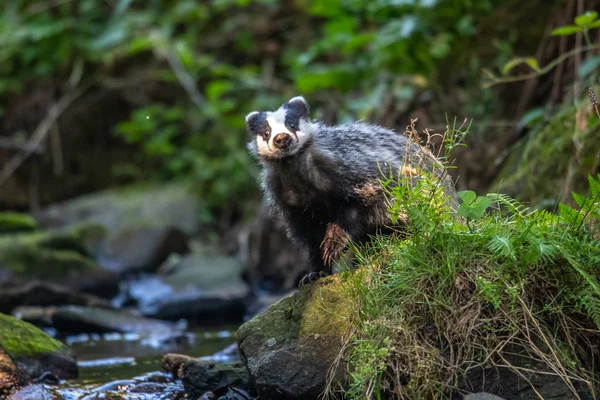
point(32, 353)
point(141, 248)
point(290, 348)
point(170, 204)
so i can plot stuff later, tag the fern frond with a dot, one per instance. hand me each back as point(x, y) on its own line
point(501, 246)
point(591, 304)
point(512, 205)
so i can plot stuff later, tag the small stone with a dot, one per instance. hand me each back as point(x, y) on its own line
point(482, 396)
point(271, 342)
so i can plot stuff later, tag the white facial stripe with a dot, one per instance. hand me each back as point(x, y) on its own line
point(277, 127)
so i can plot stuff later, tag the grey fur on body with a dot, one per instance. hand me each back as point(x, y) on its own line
point(324, 181)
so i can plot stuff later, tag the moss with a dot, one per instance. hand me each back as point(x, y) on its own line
point(11, 222)
point(21, 339)
point(43, 254)
point(323, 308)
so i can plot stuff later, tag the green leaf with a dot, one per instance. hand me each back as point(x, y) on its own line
point(532, 62)
point(566, 30)
point(590, 65)
point(594, 186)
point(595, 24)
point(584, 20)
point(467, 196)
point(532, 117)
point(480, 205)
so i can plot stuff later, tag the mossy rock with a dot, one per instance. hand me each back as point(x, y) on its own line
point(538, 168)
point(34, 352)
point(44, 255)
point(290, 347)
point(11, 222)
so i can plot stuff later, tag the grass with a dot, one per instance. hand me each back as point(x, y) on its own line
point(492, 286)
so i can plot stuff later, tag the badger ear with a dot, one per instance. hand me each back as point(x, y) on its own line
point(300, 105)
point(251, 120)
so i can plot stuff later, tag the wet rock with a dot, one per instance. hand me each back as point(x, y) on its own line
point(35, 392)
point(200, 287)
point(172, 364)
point(147, 387)
point(235, 394)
point(37, 293)
point(33, 352)
point(290, 348)
point(77, 319)
point(159, 205)
point(137, 249)
point(201, 376)
point(11, 222)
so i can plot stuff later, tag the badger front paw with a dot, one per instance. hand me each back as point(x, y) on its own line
point(334, 243)
point(312, 277)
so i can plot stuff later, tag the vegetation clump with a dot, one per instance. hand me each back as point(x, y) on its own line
point(468, 292)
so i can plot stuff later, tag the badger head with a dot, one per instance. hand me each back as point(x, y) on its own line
point(279, 134)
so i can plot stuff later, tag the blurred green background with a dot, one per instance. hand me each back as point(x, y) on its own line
point(102, 93)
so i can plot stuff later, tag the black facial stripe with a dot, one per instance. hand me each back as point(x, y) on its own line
point(293, 113)
point(258, 124)
point(292, 120)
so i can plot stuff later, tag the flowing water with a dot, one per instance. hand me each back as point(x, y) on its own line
point(125, 366)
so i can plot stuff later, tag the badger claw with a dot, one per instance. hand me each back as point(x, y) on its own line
point(333, 244)
point(311, 277)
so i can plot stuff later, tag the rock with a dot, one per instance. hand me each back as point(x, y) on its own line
point(172, 364)
point(35, 392)
point(11, 222)
point(201, 376)
point(10, 377)
point(159, 205)
point(140, 248)
point(76, 319)
point(273, 262)
point(43, 255)
point(37, 293)
point(289, 348)
point(205, 288)
point(482, 396)
point(33, 352)
point(53, 257)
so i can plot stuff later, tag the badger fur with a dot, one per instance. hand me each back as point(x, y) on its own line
point(324, 181)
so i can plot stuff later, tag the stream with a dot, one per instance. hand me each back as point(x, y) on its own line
point(128, 367)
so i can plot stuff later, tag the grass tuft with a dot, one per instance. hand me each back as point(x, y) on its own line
point(488, 285)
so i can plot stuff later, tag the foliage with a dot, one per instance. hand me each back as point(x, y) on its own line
point(212, 62)
point(463, 294)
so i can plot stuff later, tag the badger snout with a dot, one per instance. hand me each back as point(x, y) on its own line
point(282, 140)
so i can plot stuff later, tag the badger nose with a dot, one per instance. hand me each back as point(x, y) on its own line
point(282, 140)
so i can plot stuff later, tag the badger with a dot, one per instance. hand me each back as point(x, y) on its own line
point(324, 182)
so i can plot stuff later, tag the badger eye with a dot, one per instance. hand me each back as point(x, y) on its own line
point(265, 134)
point(292, 125)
